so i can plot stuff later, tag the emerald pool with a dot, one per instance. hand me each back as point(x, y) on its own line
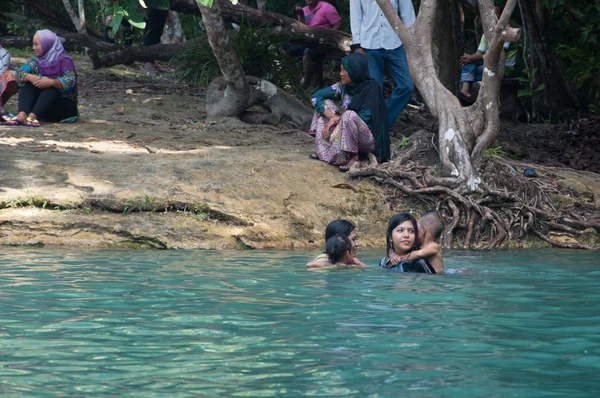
point(77, 323)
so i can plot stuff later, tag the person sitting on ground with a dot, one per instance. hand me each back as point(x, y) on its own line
point(430, 227)
point(8, 85)
point(48, 84)
point(319, 14)
point(472, 64)
point(401, 244)
point(338, 227)
point(359, 126)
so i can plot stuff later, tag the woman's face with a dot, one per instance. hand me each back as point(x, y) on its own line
point(403, 237)
point(345, 77)
point(352, 238)
point(37, 47)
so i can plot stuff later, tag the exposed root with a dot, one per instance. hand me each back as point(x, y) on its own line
point(505, 209)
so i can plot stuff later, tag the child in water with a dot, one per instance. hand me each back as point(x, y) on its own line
point(431, 226)
point(402, 244)
point(339, 251)
point(343, 227)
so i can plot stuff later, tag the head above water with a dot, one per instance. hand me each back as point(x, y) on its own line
point(394, 223)
point(431, 222)
point(339, 249)
point(343, 227)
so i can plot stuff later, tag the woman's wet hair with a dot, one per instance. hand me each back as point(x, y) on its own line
point(338, 226)
point(396, 220)
point(337, 247)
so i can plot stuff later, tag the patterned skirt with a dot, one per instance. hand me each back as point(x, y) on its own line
point(350, 136)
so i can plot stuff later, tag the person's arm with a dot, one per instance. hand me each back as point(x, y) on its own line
point(406, 12)
point(333, 17)
point(356, 18)
point(300, 14)
point(428, 251)
point(470, 58)
point(359, 264)
point(25, 74)
point(319, 264)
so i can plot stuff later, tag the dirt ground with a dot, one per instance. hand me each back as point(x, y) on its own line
point(142, 169)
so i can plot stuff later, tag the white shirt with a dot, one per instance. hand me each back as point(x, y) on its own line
point(4, 60)
point(371, 29)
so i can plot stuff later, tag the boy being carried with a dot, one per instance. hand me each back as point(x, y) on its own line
point(431, 226)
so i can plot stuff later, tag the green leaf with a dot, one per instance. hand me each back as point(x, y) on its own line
point(524, 93)
point(139, 25)
point(116, 23)
point(205, 3)
point(540, 87)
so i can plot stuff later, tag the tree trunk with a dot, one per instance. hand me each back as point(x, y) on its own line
point(464, 133)
point(235, 90)
point(173, 31)
point(445, 44)
point(559, 93)
point(76, 22)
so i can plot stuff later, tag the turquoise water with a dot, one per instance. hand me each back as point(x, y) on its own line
point(177, 324)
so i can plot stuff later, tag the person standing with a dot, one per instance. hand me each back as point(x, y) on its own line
point(373, 36)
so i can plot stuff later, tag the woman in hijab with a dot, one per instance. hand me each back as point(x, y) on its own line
point(359, 126)
point(48, 84)
point(8, 86)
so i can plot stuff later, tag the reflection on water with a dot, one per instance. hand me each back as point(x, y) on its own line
point(142, 323)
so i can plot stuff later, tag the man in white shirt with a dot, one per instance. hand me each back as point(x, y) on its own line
point(373, 36)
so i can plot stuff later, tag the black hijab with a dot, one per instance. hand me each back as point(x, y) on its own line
point(367, 94)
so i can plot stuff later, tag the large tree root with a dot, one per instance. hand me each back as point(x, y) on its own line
point(507, 208)
point(277, 105)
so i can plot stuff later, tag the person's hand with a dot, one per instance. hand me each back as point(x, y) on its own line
point(330, 124)
point(298, 10)
point(464, 60)
point(44, 82)
point(395, 259)
point(31, 78)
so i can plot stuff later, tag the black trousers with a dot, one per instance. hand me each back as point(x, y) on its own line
point(47, 104)
point(155, 23)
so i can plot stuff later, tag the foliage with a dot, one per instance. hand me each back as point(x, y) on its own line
point(257, 52)
point(528, 80)
point(574, 27)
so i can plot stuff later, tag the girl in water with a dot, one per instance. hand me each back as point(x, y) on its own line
point(401, 242)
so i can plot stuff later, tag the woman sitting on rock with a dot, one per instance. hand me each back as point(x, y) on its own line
point(359, 126)
point(48, 84)
point(8, 86)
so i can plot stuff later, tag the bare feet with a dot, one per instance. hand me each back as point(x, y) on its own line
point(351, 162)
point(21, 117)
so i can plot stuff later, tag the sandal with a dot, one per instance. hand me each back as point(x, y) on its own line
point(314, 156)
point(29, 122)
point(12, 121)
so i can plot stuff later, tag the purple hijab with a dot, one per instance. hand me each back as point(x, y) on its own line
point(54, 62)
